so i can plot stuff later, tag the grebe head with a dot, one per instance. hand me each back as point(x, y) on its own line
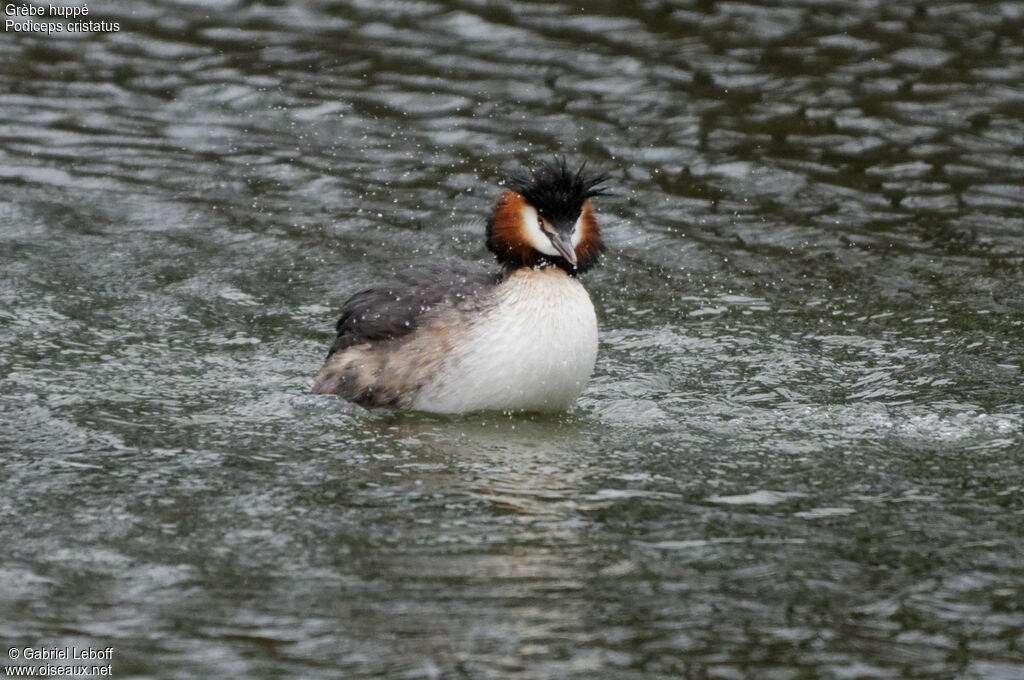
point(544, 217)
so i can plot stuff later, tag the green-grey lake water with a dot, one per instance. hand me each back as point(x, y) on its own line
point(802, 451)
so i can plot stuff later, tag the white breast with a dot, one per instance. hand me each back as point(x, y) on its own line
point(533, 350)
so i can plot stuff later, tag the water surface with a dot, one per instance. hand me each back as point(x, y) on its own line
point(802, 452)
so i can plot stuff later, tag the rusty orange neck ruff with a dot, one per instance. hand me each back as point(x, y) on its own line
point(506, 238)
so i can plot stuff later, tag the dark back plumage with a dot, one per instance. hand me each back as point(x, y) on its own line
point(556, 192)
point(397, 307)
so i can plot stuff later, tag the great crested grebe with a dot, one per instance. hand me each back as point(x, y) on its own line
point(461, 336)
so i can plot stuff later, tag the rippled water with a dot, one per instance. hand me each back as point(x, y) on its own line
point(801, 455)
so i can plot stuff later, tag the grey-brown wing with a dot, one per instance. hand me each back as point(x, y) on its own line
point(396, 307)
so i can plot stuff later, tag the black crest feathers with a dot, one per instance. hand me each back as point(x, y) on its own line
point(556, 192)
